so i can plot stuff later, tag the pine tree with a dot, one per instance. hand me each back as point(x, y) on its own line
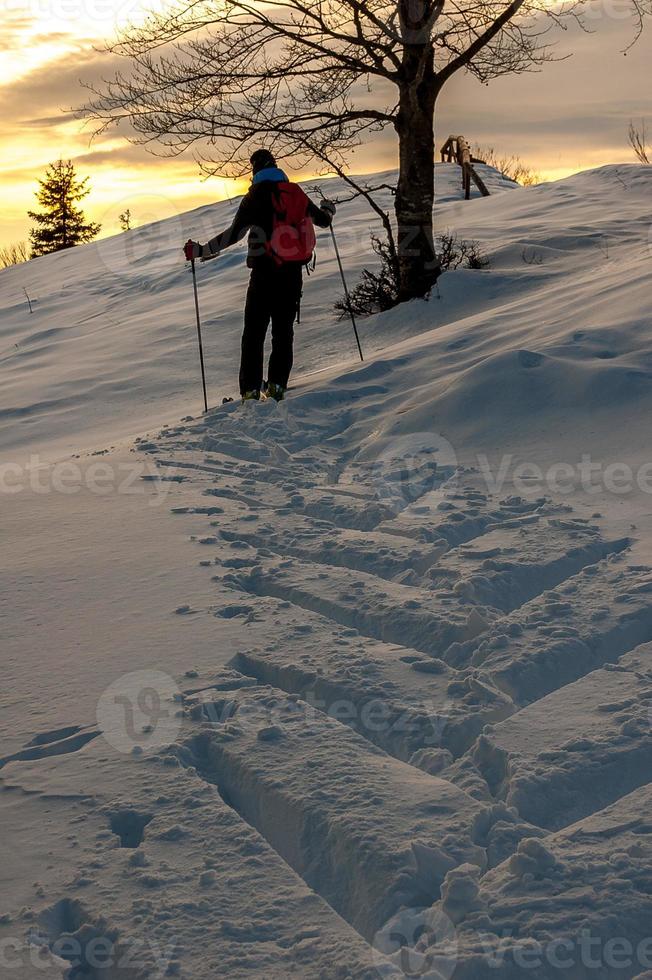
point(60, 224)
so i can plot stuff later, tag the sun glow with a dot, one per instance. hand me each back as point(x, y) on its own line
point(48, 45)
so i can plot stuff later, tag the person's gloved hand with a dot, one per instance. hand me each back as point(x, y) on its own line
point(207, 253)
point(329, 207)
point(192, 250)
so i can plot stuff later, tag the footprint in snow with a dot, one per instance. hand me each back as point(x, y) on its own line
point(230, 612)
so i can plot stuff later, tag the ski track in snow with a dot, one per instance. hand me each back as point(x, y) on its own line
point(384, 757)
point(384, 744)
point(453, 618)
point(372, 787)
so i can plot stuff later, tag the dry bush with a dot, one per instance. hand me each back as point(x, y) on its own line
point(511, 167)
point(379, 291)
point(13, 254)
point(454, 252)
point(638, 142)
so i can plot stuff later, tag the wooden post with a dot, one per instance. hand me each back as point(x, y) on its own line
point(456, 148)
point(448, 150)
point(464, 160)
point(479, 182)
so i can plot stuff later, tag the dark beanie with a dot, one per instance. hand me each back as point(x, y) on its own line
point(262, 159)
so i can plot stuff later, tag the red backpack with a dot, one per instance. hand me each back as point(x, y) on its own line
point(293, 233)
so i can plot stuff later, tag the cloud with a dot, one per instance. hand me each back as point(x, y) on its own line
point(116, 155)
point(571, 114)
point(15, 21)
point(13, 36)
point(133, 155)
point(41, 122)
point(57, 85)
point(568, 112)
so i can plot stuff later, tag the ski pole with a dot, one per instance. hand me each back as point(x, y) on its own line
point(201, 346)
point(344, 283)
point(346, 293)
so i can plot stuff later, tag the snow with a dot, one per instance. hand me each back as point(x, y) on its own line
point(577, 904)
point(111, 345)
point(367, 832)
point(598, 750)
point(356, 685)
point(163, 897)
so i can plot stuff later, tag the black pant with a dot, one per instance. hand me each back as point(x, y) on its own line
point(274, 294)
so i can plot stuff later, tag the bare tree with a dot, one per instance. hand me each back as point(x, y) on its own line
point(313, 78)
point(638, 142)
point(13, 254)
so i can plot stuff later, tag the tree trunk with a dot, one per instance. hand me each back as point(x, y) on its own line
point(415, 194)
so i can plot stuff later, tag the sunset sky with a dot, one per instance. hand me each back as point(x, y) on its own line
point(571, 116)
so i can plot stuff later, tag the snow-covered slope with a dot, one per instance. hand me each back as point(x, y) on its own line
point(111, 344)
point(354, 686)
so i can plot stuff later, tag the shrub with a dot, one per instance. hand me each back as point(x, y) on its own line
point(511, 167)
point(379, 291)
point(638, 140)
point(376, 291)
point(13, 254)
point(454, 252)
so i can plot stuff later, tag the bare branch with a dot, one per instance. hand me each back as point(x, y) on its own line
point(638, 142)
point(311, 79)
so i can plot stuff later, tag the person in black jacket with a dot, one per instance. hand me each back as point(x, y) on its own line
point(275, 287)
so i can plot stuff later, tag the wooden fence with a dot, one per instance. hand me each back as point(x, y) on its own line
point(457, 150)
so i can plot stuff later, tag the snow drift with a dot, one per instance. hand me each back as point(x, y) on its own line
point(367, 693)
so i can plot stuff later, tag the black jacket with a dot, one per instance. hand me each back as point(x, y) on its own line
point(256, 216)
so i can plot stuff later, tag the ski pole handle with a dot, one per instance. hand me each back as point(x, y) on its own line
point(191, 250)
